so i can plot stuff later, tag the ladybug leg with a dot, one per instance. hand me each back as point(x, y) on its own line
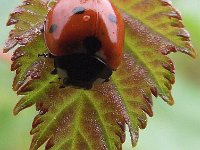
point(62, 86)
point(59, 83)
point(46, 55)
point(66, 81)
point(52, 82)
point(107, 80)
point(43, 55)
point(88, 86)
point(42, 29)
point(54, 72)
point(50, 55)
point(105, 74)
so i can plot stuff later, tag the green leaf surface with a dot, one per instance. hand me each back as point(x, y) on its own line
point(160, 22)
point(73, 119)
point(28, 22)
point(78, 119)
point(27, 63)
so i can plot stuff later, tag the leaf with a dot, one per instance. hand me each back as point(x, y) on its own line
point(159, 24)
point(28, 20)
point(131, 80)
point(79, 119)
point(27, 63)
point(146, 39)
point(72, 118)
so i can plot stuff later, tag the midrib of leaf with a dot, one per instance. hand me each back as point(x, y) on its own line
point(106, 136)
point(151, 72)
point(56, 115)
point(77, 121)
point(84, 139)
point(77, 127)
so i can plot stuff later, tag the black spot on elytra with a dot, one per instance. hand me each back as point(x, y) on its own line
point(78, 10)
point(112, 18)
point(53, 28)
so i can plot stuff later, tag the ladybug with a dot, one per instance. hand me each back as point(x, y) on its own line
point(85, 37)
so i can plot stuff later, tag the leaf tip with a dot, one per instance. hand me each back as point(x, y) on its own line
point(169, 99)
point(171, 102)
point(9, 44)
point(134, 139)
point(193, 53)
point(5, 50)
point(17, 109)
point(35, 143)
point(189, 50)
point(32, 147)
point(21, 105)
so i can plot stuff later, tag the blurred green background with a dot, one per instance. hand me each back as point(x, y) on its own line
point(171, 128)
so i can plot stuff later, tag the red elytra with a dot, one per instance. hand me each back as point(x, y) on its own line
point(69, 23)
